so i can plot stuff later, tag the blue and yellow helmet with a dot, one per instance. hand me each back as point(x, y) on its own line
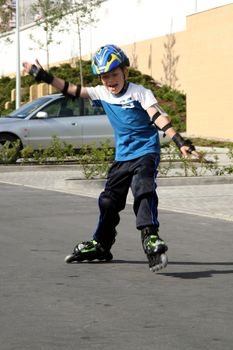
point(107, 58)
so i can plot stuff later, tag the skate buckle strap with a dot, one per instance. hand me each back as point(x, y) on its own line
point(153, 244)
point(87, 246)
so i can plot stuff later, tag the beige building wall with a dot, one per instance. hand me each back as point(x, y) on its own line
point(209, 73)
point(204, 69)
point(147, 56)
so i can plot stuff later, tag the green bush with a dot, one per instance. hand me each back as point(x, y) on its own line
point(56, 152)
point(96, 161)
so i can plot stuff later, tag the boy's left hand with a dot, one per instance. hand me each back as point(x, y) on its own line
point(185, 150)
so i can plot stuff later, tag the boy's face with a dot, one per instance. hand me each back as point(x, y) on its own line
point(114, 81)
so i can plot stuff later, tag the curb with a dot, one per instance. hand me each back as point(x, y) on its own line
point(194, 180)
point(171, 181)
point(46, 167)
point(77, 179)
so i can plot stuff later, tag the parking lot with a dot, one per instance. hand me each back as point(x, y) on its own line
point(47, 304)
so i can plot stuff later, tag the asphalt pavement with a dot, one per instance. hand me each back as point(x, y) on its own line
point(47, 304)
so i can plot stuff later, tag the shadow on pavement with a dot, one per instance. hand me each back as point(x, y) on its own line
point(182, 275)
point(111, 262)
point(198, 274)
point(224, 263)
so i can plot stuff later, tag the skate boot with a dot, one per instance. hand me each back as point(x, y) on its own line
point(155, 248)
point(89, 250)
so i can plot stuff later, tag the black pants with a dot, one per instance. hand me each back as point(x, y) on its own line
point(139, 175)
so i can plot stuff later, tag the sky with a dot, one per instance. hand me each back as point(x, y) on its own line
point(179, 9)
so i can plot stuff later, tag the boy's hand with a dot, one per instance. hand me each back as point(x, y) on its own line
point(28, 66)
point(185, 150)
point(37, 71)
point(185, 146)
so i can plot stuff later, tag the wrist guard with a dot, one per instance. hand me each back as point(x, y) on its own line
point(41, 75)
point(180, 142)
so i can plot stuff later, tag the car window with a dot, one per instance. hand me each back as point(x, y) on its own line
point(67, 107)
point(52, 109)
point(64, 107)
point(28, 108)
point(74, 105)
point(90, 109)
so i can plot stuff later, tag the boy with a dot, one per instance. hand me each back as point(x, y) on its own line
point(135, 116)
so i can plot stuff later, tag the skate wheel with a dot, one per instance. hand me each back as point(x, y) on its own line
point(109, 257)
point(69, 258)
point(106, 257)
point(163, 261)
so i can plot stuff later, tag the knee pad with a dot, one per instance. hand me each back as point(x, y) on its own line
point(106, 201)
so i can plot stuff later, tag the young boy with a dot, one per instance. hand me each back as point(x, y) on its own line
point(135, 116)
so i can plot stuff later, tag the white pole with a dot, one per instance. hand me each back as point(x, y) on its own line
point(18, 78)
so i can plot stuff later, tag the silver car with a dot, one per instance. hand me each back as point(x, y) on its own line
point(73, 121)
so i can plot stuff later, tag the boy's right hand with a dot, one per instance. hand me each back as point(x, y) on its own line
point(37, 71)
point(28, 66)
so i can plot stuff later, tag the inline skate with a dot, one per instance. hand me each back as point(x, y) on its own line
point(89, 250)
point(154, 248)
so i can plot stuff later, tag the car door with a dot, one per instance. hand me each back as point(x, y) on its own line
point(96, 127)
point(62, 120)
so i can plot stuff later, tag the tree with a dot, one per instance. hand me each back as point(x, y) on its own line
point(7, 15)
point(134, 63)
point(169, 62)
point(48, 15)
point(83, 13)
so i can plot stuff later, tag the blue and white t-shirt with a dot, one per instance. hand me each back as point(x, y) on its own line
point(134, 137)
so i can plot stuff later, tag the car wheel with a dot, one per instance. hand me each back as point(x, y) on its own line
point(10, 147)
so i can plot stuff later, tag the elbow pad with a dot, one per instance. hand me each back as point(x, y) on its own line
point(166, 127)
point(159, 112)
point(65, 89)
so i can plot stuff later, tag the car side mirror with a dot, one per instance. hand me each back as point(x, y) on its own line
point(42, 115)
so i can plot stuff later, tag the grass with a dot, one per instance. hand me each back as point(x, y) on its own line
point(211, 143)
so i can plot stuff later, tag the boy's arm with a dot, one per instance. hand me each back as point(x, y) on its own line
point(161, 120)
point(37, 71)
